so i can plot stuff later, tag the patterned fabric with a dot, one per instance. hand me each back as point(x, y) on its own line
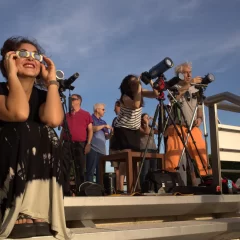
point(31, 172)
point(21, 146)
point(129, 118)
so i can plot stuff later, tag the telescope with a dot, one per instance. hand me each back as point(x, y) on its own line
point(205, 81)
point(208, 78)
point(157, 71)
point(65, 84)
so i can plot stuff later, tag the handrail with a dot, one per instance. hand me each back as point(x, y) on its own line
point(225, 96)
point(214, 103)
point(228, 107)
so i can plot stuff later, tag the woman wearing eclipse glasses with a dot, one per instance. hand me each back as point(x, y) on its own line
point(31, 196)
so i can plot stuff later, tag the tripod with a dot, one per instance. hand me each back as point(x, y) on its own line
point(160, 111)
point(73, 164)
point(200, 98)
point(205, 134)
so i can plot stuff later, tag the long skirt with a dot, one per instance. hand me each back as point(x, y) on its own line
point(31, 177)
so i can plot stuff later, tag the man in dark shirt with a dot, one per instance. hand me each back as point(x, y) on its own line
point(81, 131)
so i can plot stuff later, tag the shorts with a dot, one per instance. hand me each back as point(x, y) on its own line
point(114, 164)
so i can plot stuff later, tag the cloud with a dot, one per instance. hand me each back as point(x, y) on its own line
point(84, 31)
point(222, 69)
point(126, 33)
point(85, 27)
point(212, 49)
point(185, 10)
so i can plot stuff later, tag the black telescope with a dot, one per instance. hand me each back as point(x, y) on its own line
point(157, 70)
point(67, 83)
point(161, 68)
point(205, 81)
point(208, 79)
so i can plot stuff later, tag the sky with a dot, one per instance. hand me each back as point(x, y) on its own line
point(106, 40)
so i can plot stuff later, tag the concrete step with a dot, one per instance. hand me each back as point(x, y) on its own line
point(90, 208)
point(217, 229)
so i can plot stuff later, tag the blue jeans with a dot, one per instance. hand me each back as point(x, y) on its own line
point(92, 164)
point(148, 165)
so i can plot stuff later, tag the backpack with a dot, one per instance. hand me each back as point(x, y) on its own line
point(161, 181)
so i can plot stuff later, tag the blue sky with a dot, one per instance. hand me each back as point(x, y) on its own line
point(106, 40)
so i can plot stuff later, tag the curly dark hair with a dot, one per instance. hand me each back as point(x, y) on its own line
point(125, 88)
point(13, 44)
point(143, 115)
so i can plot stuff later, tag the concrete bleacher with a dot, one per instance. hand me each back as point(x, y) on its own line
point(192, 217)
point(194, 230)
point(153, 217)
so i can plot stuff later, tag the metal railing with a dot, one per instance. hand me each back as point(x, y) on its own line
point(224, 101)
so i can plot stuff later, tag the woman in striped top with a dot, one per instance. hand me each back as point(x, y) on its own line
point(128, 122)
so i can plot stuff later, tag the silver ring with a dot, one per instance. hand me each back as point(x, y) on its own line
point(6, 57)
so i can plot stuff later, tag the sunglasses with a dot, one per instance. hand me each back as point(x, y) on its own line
point(26, 54)
point(73, 99)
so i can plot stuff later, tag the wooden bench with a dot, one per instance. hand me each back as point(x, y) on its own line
point(131, 159)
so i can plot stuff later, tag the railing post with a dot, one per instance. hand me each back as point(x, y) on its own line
point(216, 164)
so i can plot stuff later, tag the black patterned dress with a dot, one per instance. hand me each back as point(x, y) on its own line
point(30, 170)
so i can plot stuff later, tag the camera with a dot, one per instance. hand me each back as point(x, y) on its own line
point(205, 81)
point(157, 70)
point(65, 84)
point(208, 79)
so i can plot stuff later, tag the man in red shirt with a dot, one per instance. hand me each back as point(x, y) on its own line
point(79, 142)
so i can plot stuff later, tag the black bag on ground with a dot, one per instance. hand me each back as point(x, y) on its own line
point(91, 189)
point(161, 179)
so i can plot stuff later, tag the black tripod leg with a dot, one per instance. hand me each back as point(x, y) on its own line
point(146, 149)
point(69, 137)
point(195, 145)
point(189, 128)
point(181, 138)
point(76, 168)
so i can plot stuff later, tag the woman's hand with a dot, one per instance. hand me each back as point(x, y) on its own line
point(10, 64)
point(49, 72)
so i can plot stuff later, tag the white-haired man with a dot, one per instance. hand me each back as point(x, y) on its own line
point(174, 146)
point(98, 146)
